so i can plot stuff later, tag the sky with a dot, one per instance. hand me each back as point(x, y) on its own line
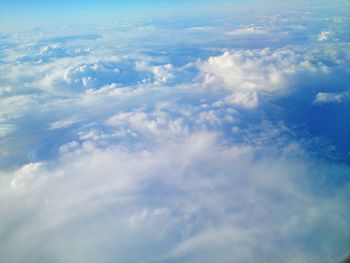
point(57, 11)
point(21, 14)
point(156, 131)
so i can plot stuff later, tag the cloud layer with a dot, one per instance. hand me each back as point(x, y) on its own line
point(144, 142)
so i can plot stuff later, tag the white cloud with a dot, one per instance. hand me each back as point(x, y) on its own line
point(247, 31)
point(119, 71)
point(324, 35)
point(155, 123)
point(13, 107)
point(6, 90)
point(50, 49)
point(162, 73)
point(192, 200)
point(331, 97)
point(64, 123)
point(28, 174)
point(68, 147)
point(258, 70)
point(247, 100)
point(6, 129)
point(200, 28)
point(247, 73)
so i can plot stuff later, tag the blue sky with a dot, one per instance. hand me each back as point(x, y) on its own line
point(20, 13)
point(39, 13)
point(174, 132)
point(97, 9)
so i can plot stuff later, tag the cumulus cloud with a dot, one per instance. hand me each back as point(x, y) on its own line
point(154, 123)
point(100, 73)
point(257, 70)
point(85, 76)
point(162, 73)
point(50, 51)
point(248, 100)
point(250, 73)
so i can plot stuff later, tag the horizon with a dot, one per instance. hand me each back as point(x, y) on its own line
point(19, 14)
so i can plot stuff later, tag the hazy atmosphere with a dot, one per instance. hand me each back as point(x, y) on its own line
point(174, 131)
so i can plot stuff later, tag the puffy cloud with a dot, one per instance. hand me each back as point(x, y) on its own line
point(13, 107)
point(50, 52)
point(140, 122)
point(84, 76)
point(324, 35)
point(114, 71)
point(162, 73)
point(248, 73)
point(257, 70)
point(329, 97)
point(189, 200)
point(248, 100)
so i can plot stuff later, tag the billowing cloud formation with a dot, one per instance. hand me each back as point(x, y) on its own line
point(189, 199)
point(248, 73)
point(145, 142)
